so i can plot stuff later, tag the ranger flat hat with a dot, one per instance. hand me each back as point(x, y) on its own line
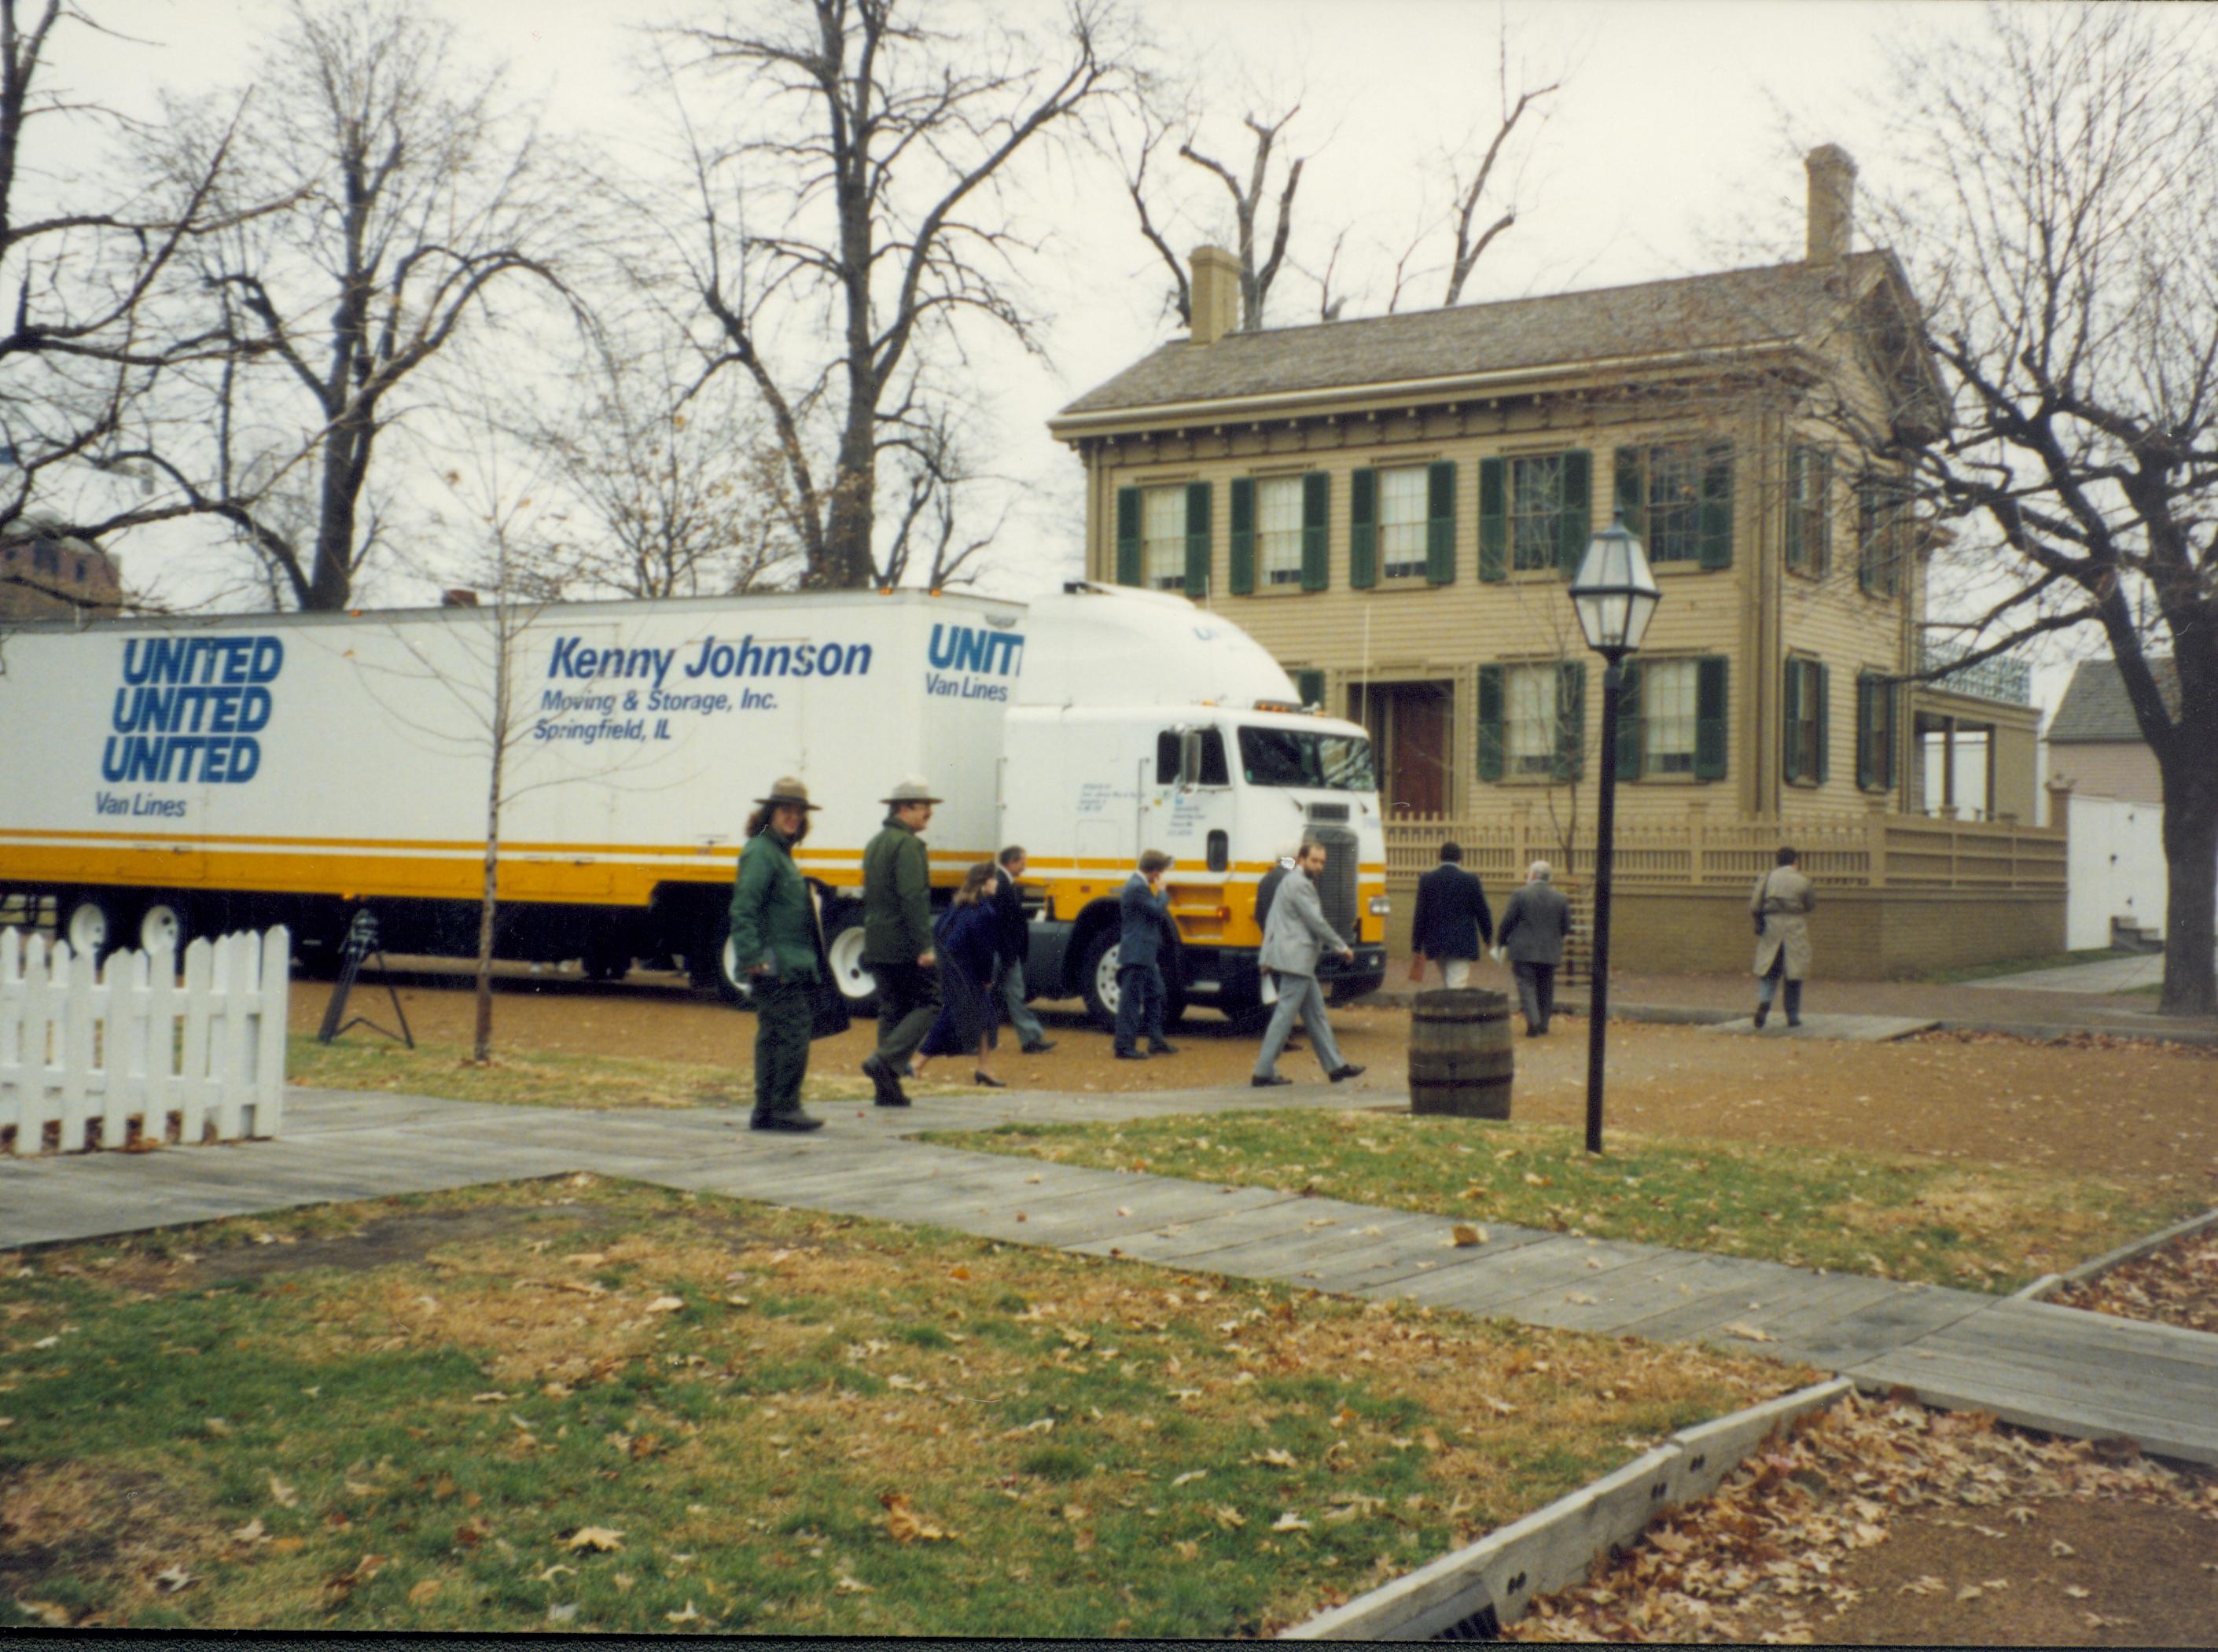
point(788, 788)
point(915, 790)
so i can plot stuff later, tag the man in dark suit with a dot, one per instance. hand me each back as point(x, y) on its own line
point(1009, 974)
point(1533, 925)
point(1145, 928)
point(1452, 923)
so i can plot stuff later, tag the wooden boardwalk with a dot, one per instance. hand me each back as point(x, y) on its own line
point(2056, 1369)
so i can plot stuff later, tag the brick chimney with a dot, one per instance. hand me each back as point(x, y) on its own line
point(1832, 202)
point(1216, 295)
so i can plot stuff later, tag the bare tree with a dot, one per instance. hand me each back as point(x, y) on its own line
point(677, 488)
point(417, 202)
point(1259, 241)
point(865, 205)
point(81, 259)
point(1470, 181)
point(2071, 160)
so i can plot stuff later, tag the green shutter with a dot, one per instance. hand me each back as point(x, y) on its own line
point(1798, 466)
point(1632, 496)
point(1575, 525)
point(1710, 718)
point(1363, 529)
point(1440, 522)
point(1865, 719)
point(1820, 686)
point(1241, 533)
point(1632, 727)
point(1128, 535)
point(1489, 722)
point(1493, 520)
point(1309, 685)
point(1714, 538)
point(1821, 554)
point(1316, 519)
point(1889, 700)
point(1790, 706)
point(1867, 530)
point(1571, 719)
point(1196, 540)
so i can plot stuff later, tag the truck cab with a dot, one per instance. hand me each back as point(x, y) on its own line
point(1142, 721)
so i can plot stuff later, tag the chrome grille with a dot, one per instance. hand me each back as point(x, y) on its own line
point(1336, 888)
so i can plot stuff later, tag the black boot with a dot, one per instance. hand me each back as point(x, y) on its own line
point(1764, 1012)
point(1793, 1003)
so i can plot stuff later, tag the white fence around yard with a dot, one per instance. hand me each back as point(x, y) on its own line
point(134, 1056)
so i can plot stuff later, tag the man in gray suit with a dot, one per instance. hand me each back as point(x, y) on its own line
point(1295, 936)
point(1533, 926)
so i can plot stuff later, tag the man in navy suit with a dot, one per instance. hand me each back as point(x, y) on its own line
point(1145, 928)
point(1453, 924)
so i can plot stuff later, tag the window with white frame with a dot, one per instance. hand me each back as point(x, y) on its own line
point(1162, 538)
point(1401, 522)
point(1529, 718)
point(1536, 510)
point(1675, 503)
point(1279, 530)
point(1667, 714)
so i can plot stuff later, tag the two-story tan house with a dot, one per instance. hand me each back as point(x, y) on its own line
point(1394, 506)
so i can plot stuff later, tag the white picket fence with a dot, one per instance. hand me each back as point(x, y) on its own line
point(135, 1056)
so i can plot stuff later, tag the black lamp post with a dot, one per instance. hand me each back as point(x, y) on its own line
point(1615, 595)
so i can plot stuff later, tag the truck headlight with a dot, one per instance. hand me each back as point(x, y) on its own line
point(1380, 905)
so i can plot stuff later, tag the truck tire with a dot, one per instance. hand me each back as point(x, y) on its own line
point(167, 921)
point(843, 949)
point(1097, 982)
point(92, 923)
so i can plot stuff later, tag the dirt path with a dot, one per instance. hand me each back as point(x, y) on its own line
point(2129, 1110)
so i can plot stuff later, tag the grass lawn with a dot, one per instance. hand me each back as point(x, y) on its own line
point(598, 1405)
point(591, 1082)
point(1987, 1227)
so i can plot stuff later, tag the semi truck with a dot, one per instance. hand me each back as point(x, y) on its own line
point(161, 777)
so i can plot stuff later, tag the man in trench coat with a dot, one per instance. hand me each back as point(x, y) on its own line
point(1782, 904)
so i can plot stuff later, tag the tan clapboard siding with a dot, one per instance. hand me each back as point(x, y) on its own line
point(1754, 613)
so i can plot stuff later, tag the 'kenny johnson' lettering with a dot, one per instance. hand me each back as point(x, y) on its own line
point(190, 710)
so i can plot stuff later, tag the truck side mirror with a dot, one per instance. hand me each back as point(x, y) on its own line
point(1189, 758)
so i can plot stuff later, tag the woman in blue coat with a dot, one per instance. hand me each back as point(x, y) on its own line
point(968, 940)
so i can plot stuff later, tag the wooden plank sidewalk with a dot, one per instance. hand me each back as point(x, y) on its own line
point(2033, 1363)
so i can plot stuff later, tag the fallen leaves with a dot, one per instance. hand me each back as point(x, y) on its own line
point(1462, 1234)
point(593, 1539)
point(903, 1523)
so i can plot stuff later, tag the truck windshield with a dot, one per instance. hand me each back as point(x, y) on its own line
point(1295, 756)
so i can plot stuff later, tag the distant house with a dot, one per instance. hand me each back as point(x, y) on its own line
point(2102, 775)
point(1394, 507)
point(45, 575)
point(2094, 745)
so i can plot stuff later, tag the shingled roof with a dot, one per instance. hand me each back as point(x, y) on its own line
point(1730, 309)
point(2096, 709)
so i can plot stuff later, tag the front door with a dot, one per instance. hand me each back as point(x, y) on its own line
point(1411, 728)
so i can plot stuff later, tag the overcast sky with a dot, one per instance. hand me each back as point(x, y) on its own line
point(1671, 149)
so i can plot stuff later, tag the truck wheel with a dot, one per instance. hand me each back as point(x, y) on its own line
point(91, 924)
point(1097, 980)
point(167, 922)
point(843, 949)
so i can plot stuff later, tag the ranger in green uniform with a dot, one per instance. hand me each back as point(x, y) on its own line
point(774, 936)
point(898, 938)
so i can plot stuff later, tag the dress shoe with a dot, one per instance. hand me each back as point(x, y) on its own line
point(989, 1080)
point(1255, 1083)
point(1131, 1055)
point(1040, 1048)
point(797, 1124)
point(1343, 1072)
point(890, 1093)
point(1161, 1048)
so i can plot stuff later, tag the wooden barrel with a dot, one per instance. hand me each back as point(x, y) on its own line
point(1460, 1053)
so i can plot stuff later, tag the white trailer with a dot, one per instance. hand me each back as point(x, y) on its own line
point(163, 778)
